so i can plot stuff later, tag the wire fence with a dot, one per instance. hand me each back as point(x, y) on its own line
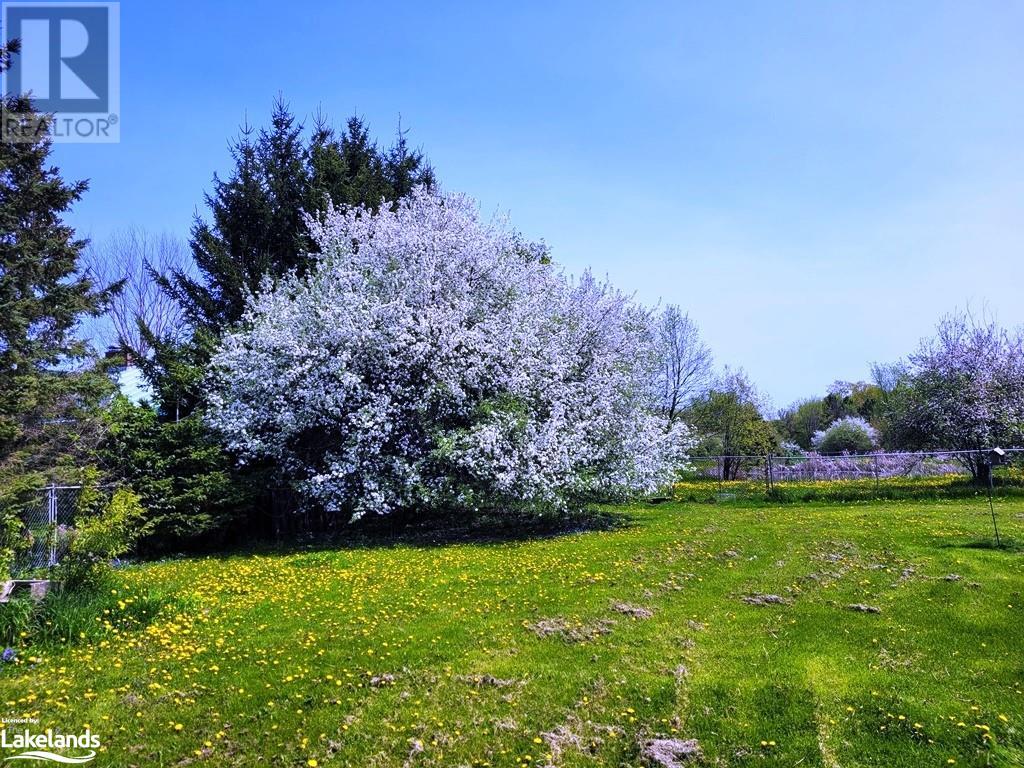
point(49, 516)
point(879, 470)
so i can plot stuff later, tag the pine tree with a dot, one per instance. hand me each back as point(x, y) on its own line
point(42, 293)
point(231, 251)
point(256, 229)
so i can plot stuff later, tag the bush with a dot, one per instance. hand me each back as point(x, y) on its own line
point(184, 479)
point(851, 434)
point(95, 541)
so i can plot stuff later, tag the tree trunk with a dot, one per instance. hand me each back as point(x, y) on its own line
point(982, 471)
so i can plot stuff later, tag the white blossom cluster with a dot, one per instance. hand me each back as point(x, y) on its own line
point(432, 359)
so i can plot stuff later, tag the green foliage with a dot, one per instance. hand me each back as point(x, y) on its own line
point(17, 619)
point(852, 399)
point(186, 482)
point(73, 616)
point(42, 293)
point(17, 492)
point(847, 435)
point(728, 422)
point(91, 499)
point(98, 539)
point(801, 420)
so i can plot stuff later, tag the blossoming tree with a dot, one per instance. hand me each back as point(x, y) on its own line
point(962, 389)
point(435, 361)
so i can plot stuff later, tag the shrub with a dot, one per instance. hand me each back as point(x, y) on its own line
point(96, 540)
point(186, 482)
point(851, 434)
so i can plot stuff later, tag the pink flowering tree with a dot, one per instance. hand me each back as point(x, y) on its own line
point(433, 360)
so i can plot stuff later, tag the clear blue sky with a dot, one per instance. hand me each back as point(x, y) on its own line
point(815, 182)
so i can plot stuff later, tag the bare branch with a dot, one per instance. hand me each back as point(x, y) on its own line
point(138, 257)
point(685, 361)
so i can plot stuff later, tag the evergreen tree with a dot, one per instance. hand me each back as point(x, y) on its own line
point(256, 229)
point(42, 293)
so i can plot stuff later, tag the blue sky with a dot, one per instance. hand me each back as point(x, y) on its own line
point(815, 182)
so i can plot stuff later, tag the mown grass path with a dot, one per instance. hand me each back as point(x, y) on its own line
point(572, 651)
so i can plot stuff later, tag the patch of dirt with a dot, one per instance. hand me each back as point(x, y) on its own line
point(894, 662)
point(952, 577)
point(486, 681)
point(379, 681)
point(571, 632)
point(862, 608)
point(584, 737)
point(633, 611)
point(561, 739)
point(672, 753)
point(415, 748)
point(760, 599)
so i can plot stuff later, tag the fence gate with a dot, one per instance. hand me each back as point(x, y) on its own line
point(48, 520)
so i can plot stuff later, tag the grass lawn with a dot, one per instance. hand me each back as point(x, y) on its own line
point(570, 651)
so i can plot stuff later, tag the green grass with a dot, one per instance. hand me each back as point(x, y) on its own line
point(411, 655)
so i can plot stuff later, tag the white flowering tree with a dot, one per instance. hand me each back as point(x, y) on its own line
point(433, 361)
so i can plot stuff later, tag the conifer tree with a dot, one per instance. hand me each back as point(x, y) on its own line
point(43, 294)
point(257, 229)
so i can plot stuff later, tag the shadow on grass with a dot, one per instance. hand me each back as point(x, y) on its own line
point(477, 529)
point(1006, 545)
point(436, 531)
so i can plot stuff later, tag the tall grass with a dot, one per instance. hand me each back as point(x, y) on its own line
point(73, 616)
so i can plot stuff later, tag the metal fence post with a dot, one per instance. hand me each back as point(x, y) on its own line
point(51, 519)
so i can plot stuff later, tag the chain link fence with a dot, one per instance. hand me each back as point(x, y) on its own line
point(813, 475)
point(48, 516)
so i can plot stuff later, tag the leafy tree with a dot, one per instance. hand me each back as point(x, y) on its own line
point(963, 389)
point(729, 423)
point(43, 296)
point(851, 399)
point(802, 420)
